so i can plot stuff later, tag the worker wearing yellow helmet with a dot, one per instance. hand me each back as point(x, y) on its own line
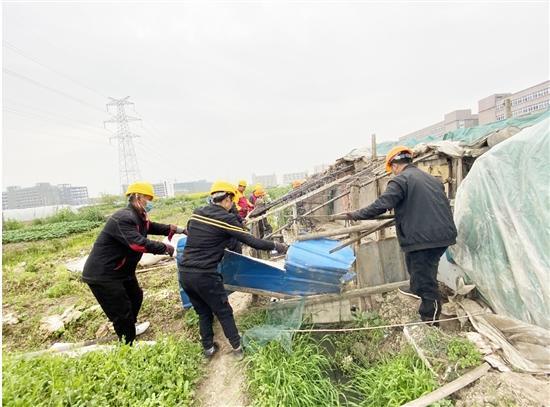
point(211, 228)
point(244, 206)
point(110, 270)
point(424, 225)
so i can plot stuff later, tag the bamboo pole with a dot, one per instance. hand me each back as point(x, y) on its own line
point(341, 231)
point(307, 213)
point(352, 240)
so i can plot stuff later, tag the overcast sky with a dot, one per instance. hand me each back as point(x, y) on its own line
point(228, 89)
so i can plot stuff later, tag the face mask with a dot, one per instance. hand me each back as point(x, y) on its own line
point(148, 206)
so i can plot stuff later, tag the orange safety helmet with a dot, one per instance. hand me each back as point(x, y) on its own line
point(396, 151)
point(259, 191)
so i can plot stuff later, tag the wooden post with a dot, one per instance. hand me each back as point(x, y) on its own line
point(364, 303)
point(295, 217)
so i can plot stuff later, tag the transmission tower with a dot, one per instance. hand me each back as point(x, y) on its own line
point(127, 160)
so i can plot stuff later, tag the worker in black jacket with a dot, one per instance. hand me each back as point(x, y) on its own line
point(424, 225)
point(210, 229)
point(110, 270)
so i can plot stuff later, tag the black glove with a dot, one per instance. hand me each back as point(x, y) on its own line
point(169, 249)
point(281, 248)
point(175, 230)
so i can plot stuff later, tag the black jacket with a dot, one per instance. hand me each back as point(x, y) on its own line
point(210, 230)
point(423, 216)
point(120, 245)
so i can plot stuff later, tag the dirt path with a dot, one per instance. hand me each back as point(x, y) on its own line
point(224, 378)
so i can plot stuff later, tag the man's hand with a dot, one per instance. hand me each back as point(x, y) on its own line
point(281, 248)
point(175, 230)
point(169, 249)
point(341, 216)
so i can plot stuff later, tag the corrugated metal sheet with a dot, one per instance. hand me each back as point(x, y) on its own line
point(309, 269)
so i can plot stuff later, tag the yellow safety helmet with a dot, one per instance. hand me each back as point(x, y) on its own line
point(242, 183)
point(223, 186)
point(144, 188)
point(393, 153)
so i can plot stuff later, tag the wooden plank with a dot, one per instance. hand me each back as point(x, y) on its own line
point(450, 388)
point(257, 291)
point(359, 292)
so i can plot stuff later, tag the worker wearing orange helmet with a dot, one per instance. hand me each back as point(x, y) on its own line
point(244, 206)
point(257, 193)
point(211, 229)
point(110, 270)
point(424, 225)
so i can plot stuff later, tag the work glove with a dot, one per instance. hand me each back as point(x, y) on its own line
point(175, 230)
point(169, 249)
point(281, 248)
point(342, 216)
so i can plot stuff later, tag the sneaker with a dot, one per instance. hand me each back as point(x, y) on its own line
point(238, 353)
point(211, 351)
point(407, 291)
point(141, 328)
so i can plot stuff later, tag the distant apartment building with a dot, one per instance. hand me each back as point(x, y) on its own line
point(43, 194)
point(160, 189)
point(70, 195)
point(454, 120)
point(191, 187)
point(295, 176)
point(266, 181)
point(502, 106)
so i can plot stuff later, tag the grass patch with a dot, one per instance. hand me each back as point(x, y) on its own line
point(392, 382)
point(161, 375)
point(278, 378)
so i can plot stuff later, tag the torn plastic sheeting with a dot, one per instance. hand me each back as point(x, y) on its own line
point(502, 213)
point(526, 347)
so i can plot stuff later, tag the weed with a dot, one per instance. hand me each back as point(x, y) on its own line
point(251, 317)
point(463, 352)
point(277, 378)
point(393, 381)
point(12, 224)
point(161, 375)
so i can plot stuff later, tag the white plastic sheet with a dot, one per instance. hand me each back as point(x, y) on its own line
point(502, 212)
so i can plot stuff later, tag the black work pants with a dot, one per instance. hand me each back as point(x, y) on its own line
point(208, 296)
point(121, 302)
point(422, 267)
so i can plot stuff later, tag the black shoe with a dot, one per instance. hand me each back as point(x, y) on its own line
point(407, 291)
point(209, 353)
point(238, 353)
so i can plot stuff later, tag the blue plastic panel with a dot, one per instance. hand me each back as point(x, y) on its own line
point(309, 269)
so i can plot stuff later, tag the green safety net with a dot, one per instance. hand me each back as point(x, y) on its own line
point(502, 213)
point(281, 319)
point(467, 136)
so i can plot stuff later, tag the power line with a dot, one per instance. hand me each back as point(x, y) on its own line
point(34, 82)
point(17, 50)
point(41, 132)
point(43, 113)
